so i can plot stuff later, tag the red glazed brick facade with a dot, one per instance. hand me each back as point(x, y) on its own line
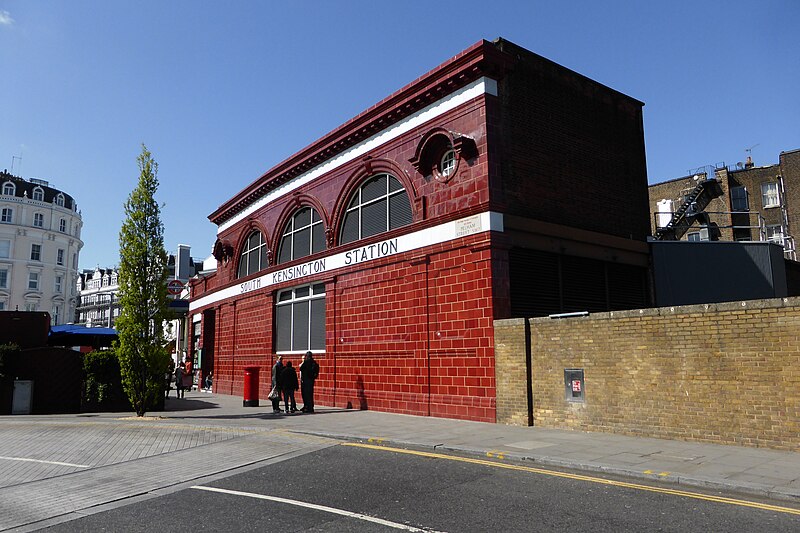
point(409, 313)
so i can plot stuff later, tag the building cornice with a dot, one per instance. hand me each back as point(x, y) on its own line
point(483, 59)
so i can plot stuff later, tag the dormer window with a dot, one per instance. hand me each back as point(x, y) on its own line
point(60, 200)
point(9, 188)
point(440, 152)
point(38, 194)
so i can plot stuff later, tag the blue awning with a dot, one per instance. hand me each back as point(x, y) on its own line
point(75, 335)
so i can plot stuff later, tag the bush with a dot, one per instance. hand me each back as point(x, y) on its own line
point(102, 380)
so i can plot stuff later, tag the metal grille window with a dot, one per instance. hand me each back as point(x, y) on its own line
point(300, 319)
point(769, 194)
point(379, 205)
point(254, 255)
point(304, 235)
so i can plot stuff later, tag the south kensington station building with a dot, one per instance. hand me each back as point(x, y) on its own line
point(497, 185)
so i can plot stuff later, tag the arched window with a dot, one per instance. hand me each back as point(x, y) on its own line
point(380, 204)
point(60, 200)
point(38, 194)
point(9, 188)
point(304, 235)
point(254, 255)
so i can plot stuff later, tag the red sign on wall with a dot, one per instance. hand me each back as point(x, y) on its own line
point(576, 385)
point(174, 286)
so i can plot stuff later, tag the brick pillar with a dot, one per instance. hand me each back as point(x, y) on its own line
point(512, 364)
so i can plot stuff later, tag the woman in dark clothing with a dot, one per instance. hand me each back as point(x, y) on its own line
point(277, 368)
point(289, 384)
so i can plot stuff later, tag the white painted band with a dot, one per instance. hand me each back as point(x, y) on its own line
point(448, 103)
point(316, 507)
point(42, 461)
point(487, 221)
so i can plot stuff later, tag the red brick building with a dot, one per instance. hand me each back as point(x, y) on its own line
point(499, 184)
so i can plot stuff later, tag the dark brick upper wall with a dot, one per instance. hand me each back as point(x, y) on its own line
point(571, 150)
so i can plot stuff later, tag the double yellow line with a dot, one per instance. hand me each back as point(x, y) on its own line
point(553, 473)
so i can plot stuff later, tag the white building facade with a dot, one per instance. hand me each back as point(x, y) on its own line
point(40, 242)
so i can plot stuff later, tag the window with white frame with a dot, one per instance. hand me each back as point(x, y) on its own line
point(38, 220)
point(62, 225)
point(769, 194)
point(31, 306)
point(33, 281)
point(775, 234)
point(36, 252)
point(60, 200)
point(5, 248)
point(7, 215)
point(38, 194)
point(696, 236)
point(9, 188)
point(447, 165)
point(2, 305)
point(300, 319)
point(75, 261)
point(739, 200)
point(60, 257)
point(380, 204)
point(254, 255)
point(56, 314)
point(3, 278)
point(59, 284)
point(304, 235)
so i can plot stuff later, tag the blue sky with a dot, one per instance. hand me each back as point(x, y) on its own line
point(221, 91)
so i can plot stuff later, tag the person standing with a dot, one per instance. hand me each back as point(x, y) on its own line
point(288, 386)
point(277, 368)
point(309, 371)
point(179, 380)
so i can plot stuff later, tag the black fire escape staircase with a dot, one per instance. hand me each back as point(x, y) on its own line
point(690, 210)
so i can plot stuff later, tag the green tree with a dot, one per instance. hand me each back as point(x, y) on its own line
point(142, 292)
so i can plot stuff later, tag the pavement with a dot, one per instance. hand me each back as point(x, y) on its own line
point(55, 468)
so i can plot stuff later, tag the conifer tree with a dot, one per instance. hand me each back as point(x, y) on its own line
point(142, 292)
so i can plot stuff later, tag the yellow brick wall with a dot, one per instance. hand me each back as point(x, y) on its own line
point(725, 373)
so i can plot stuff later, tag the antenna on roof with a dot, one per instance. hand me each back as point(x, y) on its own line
point(13, 158)
point(749, 163)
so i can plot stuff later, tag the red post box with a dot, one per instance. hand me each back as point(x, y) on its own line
point(250, 398)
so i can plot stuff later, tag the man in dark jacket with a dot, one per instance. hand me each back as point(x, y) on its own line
point(288, 383)
point(309, 371)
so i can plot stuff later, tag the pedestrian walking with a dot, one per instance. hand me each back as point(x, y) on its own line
point(309, 372)
point(288, 382)
point(179, 381)
point(277, 368)
point(168, 377)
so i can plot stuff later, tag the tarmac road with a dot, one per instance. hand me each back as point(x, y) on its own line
point(372, 488)
point(54, 469)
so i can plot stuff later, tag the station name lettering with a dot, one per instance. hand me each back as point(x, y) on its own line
point(299, 271)
point(372, 251)
point(251, 285)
